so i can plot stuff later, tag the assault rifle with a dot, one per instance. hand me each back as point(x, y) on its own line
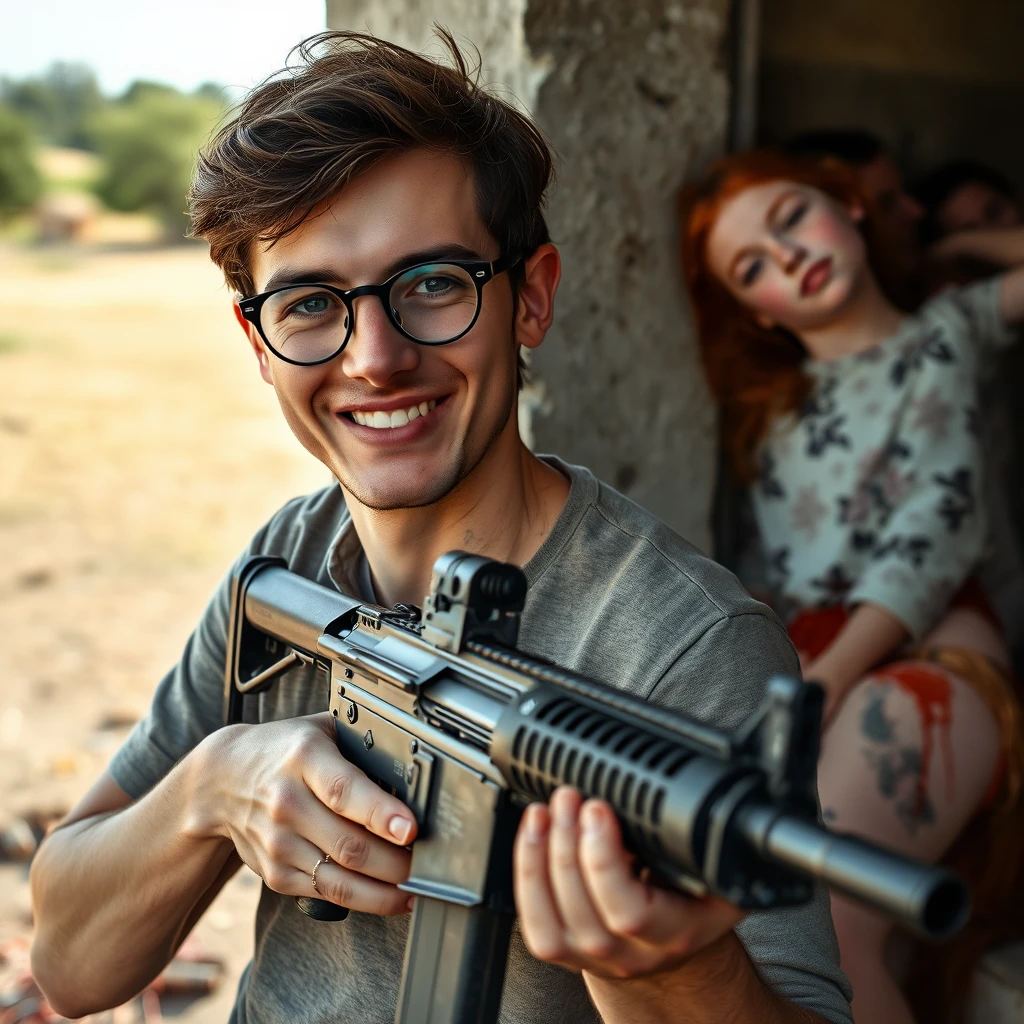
point(443, 711)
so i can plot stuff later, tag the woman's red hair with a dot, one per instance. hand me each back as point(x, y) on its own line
point(755, 373)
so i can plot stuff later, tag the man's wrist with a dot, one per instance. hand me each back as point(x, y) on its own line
point(718, 985)
point(200, 774)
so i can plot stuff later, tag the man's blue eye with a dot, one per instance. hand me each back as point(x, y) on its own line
point(316, 304)
point(435, 285)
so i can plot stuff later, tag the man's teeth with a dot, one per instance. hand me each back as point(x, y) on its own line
point(398, 418)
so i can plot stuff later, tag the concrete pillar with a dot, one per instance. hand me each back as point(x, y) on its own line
point(634, 98)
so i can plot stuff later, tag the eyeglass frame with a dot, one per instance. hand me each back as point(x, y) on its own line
point(480, 272)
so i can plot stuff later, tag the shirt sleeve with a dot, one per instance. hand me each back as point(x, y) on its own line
point(189, 702)
point(976, 311)
point(937, 533)
point(793, 949)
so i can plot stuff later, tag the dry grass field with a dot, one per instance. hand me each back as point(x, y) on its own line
point(139, 450)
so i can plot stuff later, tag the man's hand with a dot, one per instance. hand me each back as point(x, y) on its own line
point(580, 904)
point(284, 796)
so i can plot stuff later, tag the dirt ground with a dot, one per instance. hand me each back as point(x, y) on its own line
point(139, 450)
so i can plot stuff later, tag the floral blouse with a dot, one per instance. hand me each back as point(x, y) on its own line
point(871, 491)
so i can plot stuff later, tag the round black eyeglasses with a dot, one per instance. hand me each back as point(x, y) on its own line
point(431, 304)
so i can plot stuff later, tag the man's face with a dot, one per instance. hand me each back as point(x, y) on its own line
point(883, 183)
point(977, 205)
point(899, 214)
point(416, 203)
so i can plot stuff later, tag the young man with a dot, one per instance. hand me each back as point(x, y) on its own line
point(371, 166)
point(966, 195)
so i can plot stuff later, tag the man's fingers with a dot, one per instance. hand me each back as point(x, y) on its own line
point(345, 790)
point(586, 932)
point(352, 846)
point(539, 921)
point(290, 872)
point(355, 891)
point(631, 908)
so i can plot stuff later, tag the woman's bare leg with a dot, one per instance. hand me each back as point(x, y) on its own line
point(874, 782)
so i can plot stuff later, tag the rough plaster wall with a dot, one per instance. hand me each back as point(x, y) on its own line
point(634, 98)
point(494, 27)
point(636, 101)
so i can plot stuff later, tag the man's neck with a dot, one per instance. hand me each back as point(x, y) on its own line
point(867, 319)
point(504, 509)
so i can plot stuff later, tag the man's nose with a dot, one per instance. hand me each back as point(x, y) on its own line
point(376, 351)
point(912, 209)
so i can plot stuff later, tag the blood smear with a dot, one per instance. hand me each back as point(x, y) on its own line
point(933, 693)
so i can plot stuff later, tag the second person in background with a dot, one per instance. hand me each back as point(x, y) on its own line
point(855, 425)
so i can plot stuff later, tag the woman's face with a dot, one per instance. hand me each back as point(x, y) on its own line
point(789, 253)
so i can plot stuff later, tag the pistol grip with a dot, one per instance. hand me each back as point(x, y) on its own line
point(321, 910)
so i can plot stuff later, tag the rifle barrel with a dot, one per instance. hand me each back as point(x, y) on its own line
point(930, 897)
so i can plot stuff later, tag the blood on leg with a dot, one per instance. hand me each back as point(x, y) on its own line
point(906, 762)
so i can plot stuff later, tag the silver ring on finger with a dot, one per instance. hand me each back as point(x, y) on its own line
point(325, 859)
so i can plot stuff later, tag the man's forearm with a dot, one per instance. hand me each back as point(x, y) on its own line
point(114, 895)
point(1002, 246)
point(718, 986)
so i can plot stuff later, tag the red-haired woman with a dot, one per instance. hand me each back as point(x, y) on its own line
point(855, 426)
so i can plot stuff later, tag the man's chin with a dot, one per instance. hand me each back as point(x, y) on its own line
point(390, 495)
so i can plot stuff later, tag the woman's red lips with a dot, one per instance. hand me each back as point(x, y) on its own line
point(816, 277)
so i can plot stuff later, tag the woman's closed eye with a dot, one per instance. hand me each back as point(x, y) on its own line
point(793, 217)
point(751, 271)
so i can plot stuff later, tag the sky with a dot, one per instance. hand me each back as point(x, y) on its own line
point(181, 42)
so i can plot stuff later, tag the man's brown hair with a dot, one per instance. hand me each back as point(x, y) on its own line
point(350, 101)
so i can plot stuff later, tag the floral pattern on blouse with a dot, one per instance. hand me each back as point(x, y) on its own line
point(870, 492)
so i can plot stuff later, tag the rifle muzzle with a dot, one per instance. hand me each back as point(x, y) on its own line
point(929, 898)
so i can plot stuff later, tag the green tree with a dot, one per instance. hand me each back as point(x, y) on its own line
point(148, 141)
point(20, 182)
point(59, 103)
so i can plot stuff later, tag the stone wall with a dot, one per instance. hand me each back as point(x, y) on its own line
point(634, 98)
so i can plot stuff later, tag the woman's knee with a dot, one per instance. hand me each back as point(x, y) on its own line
point(908, 758)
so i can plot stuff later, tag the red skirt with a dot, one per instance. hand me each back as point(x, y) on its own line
point(814, 629)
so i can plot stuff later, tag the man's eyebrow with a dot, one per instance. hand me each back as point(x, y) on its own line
point(326, 275)
point(286, 276)
point(437, 254)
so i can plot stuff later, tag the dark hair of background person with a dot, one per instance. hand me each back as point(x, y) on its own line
point(350, 101)
point(851, 145)
point(755, 373)
point(931, 190)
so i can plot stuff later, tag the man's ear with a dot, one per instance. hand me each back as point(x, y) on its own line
point(254, 339)
point(536, 308)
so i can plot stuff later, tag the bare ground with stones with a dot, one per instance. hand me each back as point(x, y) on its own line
point(139, 450)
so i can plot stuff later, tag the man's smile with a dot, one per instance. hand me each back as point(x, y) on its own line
point(395, 421)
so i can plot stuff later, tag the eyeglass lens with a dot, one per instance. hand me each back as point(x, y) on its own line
point(433, 303)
